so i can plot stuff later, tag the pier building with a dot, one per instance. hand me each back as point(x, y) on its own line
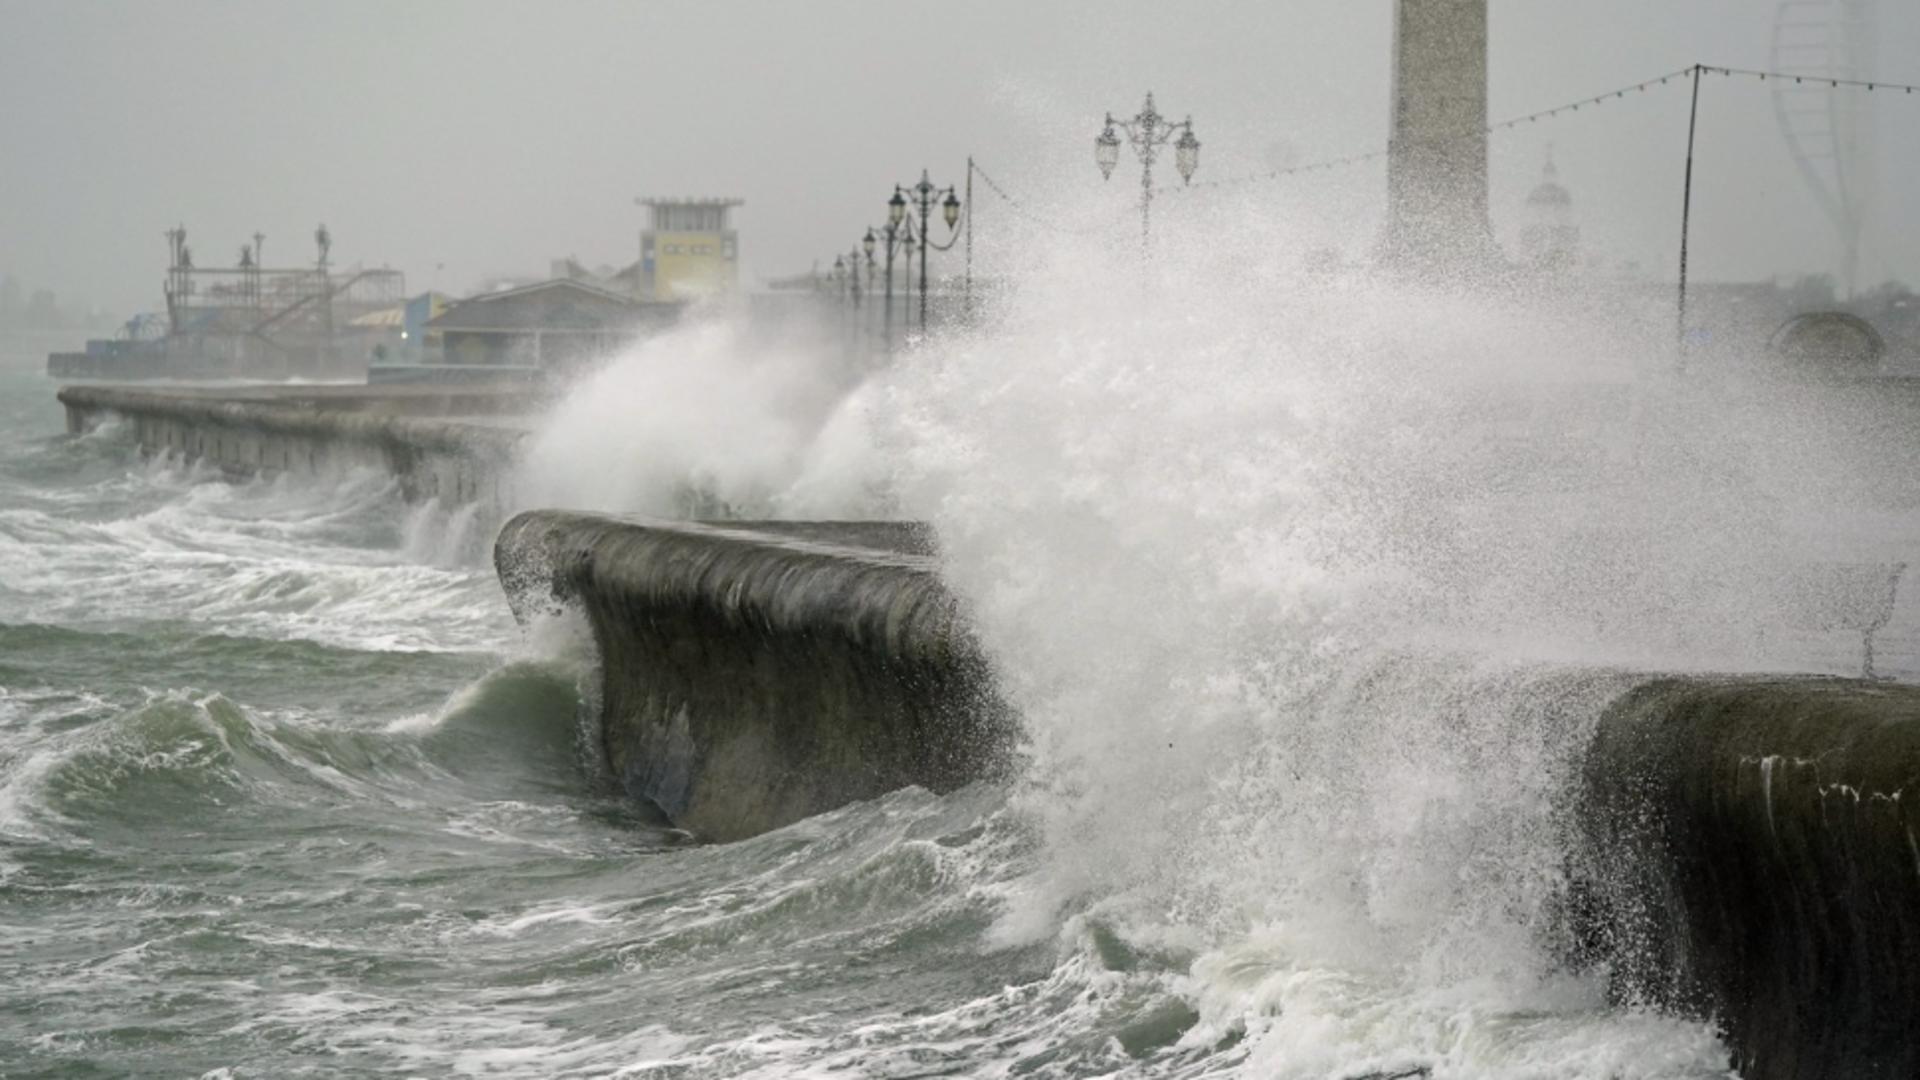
point(689, 249)
point(552, 327)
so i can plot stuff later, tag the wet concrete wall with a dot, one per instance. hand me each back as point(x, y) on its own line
point(1746, 850)
point(1752, 850)
point(447, 444)
point(757, 674)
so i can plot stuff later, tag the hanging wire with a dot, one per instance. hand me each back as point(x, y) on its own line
point(954, 239)
point(1031, 216)
point(1814, 80)
point(1532, 117)
point(1330, 164)
point(1597, 99)
point(1275, 174)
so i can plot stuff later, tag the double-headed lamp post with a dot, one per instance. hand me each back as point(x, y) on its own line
point(897, 237)
point(922, 196)
point(1147, 131)
point(867, 244)
point(853, 268)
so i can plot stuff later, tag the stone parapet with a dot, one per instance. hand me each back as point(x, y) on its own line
point(416, 435)
point(759, 673)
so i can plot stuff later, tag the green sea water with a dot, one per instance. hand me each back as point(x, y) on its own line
point(284, 792)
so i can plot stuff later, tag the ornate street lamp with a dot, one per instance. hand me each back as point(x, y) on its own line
point(922, 196)
point(898, 238)
point(1106, 150)
point(1147, 131)
point(853, 277)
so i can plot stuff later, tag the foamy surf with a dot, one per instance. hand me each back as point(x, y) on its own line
point(1302, 670)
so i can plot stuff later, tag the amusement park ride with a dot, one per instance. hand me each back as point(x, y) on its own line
point(249, 320)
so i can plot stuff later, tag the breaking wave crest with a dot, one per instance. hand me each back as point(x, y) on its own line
point(1310, 592)
point(178, 757)
point(340, 559)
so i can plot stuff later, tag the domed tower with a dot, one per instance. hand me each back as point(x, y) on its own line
point(1549, 239)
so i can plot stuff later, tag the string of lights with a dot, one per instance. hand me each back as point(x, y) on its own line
point(1276, 174)
point(1616, 94)
point(1030, 215)
point(1681, 76)
point(1811, 80)
point(1597, 99)
point(1512, 122)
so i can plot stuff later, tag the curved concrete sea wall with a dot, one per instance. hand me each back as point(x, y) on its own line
point(1755, 841)
point(757, 674)
point(1750, 846)
point(407, 431)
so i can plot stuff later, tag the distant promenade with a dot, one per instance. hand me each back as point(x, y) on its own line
point(453, 443)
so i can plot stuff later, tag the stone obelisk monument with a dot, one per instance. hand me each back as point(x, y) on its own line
point(1437, 159)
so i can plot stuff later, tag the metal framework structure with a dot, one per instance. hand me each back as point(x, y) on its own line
point(1829, 135)
point(281, 307)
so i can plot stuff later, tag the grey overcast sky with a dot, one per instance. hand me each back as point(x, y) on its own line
point(461, 140)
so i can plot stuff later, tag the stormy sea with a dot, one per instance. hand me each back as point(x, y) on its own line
point(284, 791)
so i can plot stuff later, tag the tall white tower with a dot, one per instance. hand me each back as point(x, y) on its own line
point(1437, 159)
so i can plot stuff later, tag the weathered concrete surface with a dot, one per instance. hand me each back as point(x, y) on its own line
point(1751, 846)
point(451, 443)
point(1753, 841)
point(757, 674)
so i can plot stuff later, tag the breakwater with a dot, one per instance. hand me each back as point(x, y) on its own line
point(1754, 858)
point(760, 673)
point(1749, 855)
point(450, 443)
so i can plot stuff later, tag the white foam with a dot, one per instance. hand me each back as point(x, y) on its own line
point(1277, 571)
point(706, 419)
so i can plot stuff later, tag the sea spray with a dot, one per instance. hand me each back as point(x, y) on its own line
point(449, 534)
point(719, 417)
point(1310, 587)
point(322, 557)
point(1306, 589)
point(276, 797)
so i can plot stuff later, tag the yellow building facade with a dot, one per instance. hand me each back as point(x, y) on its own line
point(690, 249)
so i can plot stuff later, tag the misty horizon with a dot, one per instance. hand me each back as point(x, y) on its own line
point(473, 143)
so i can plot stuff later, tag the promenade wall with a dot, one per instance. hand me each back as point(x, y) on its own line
point(756, 674)
point(1752, 855)
point(453, 443)
point(1746, 847)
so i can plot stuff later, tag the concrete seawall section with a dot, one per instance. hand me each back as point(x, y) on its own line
point(453, 443)
point(1749, 845)
point(1753, 844)
point(760, 673)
